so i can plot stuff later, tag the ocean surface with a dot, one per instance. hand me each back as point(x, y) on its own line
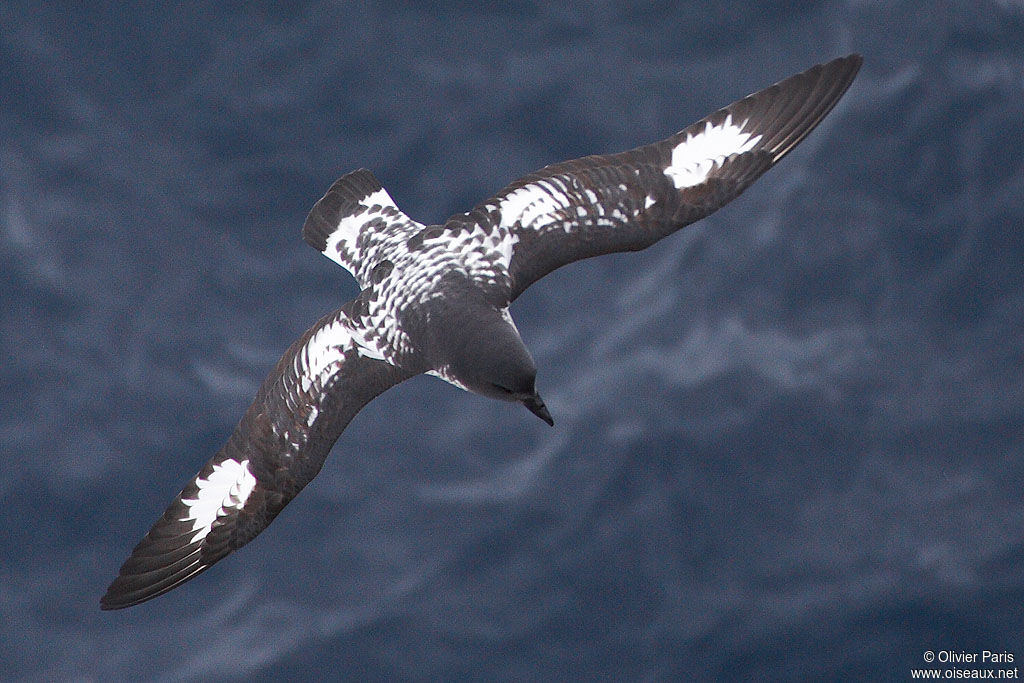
point(788, 442)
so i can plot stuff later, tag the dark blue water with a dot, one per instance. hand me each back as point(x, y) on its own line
point(788, 440)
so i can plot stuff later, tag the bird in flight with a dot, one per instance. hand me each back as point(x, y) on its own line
point(434, 299)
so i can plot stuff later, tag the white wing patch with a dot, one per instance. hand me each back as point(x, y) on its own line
point(698, 155)
point(533, 201)
point(227, 488)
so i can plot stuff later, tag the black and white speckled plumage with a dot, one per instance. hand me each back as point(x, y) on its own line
point(435, 300)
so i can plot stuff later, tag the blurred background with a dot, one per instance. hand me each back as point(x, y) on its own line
point(787, 440)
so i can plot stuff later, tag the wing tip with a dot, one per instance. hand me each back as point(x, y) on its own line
point(146, 575)
point(128, 590)
point(783, 114)
point(855, 59)
point(843, 68)
point(830, 83)
point(119, 598)
point(842, 71)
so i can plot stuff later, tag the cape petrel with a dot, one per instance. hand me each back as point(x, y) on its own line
point(434, 299)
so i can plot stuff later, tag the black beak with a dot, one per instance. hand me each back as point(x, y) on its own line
point(536, 406)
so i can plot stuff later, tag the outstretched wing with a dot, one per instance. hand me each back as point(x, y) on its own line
point(625, 202)
point(355, 222)
point(319, 384)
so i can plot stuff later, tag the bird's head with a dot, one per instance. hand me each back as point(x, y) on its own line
point(490, 359)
